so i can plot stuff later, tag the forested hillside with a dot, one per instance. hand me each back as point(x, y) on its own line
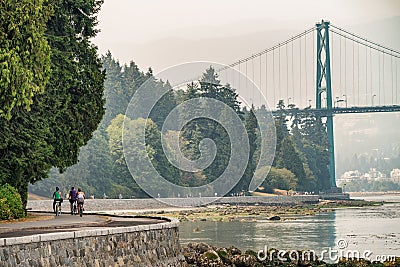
point(300, 162)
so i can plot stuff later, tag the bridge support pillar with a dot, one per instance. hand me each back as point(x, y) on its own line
point(331, 150)
point(323, 86)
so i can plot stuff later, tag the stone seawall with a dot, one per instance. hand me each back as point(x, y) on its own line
point(144, 245)
point(138, 205)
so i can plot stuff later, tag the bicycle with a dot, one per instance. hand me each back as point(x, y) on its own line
point(57, 208)
point(74, 209)
point(80, 204)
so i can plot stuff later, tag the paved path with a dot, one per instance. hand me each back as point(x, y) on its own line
point(150, 204)
point(49, 223)
point(46, 220)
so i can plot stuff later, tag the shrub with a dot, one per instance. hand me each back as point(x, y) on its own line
point(10, 203)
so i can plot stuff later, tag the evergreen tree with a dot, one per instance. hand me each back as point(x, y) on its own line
point(289, 158)
point(210, 87)
point(281, 133)
point(74, 96)
point(114, 86)
point(310, 137)
point(251, 126)
point(120, 86)
point(122, 177)
point(63, 118)
point(133, 78)
point(163, 106)
point(24, 53)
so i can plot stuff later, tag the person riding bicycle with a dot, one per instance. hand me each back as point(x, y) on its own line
point(80, 198)
point(57, 197)
point(72, 198)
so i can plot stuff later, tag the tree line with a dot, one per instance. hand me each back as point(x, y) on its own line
point(301, 159)
point(62, 110)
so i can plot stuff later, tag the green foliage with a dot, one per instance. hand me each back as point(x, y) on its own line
point(209, 87)
point(164, 106)
point(301, 156)
point(281, 133)
point(63, 118)
point(137, 152)
point(252, 130)
point(304, 150)
point(121, 175)
point(290, 159)
point(24, 53)
point(279, 178)
point(309, 138)
point(74, 97)
point(97, 170)
point(10, 203)
point(93, 172)
point(119, 87)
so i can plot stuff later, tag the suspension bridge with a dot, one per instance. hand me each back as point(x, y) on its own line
point(325, 69)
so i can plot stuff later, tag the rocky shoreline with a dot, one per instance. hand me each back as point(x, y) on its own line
point(205, 255)
point(221, 213)
point(202, 254)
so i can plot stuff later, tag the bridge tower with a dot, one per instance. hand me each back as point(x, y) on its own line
point(323, 87)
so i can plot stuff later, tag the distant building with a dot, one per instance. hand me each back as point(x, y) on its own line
point(375, 175)
point(350, 176)
point(395, 175)
point(372, 175)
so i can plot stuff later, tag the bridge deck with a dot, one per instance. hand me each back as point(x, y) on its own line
point(325, 112)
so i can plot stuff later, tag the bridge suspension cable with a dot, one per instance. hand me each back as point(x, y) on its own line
point(359, 78)
point(376, 85)
point(295, 37)
point(372, 45)
point(366, 42)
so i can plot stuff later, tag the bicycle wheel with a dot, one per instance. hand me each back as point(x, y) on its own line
point(80, 209)
point(56, 208)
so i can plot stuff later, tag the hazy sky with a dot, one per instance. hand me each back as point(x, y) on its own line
point(132, 29)
point(162, 33)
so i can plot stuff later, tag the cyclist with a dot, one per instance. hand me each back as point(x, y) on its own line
point(57, 197)
point(80, 198)
point(72, 199)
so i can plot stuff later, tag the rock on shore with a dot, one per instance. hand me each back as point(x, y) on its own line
point(205, 255)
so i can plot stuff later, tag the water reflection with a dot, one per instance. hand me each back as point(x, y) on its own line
point(374, 228)
point(302, 233)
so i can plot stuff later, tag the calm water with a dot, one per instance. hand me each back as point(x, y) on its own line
point(376, 229)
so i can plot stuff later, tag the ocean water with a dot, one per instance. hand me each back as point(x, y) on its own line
point(372, 232)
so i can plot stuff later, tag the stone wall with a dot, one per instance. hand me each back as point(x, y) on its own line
point(144, 245)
